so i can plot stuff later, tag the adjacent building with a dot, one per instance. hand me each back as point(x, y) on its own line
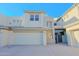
point(71, 24)
point(60, 32)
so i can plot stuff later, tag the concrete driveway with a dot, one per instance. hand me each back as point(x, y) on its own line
point(50, 50)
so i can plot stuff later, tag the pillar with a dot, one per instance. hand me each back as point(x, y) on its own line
point(69, 37)
point(44, 38)
point(53, 35)
point(74, 41)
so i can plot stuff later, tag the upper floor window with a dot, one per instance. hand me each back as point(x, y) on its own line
point(10, 23)
point(36, 17)
point(14, 20)
point(31, 17)
point(55, 24)
point(18, 21)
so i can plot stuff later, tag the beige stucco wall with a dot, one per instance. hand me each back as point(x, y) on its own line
point(73, 35)
point(74, 11)
point(49, 36)
point(73, 27)
point(27, 23)
point(76, 35)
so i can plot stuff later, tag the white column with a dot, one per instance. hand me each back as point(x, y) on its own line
point(74, 41)
point(44, 38)
point(69, 37)
point(53, 34)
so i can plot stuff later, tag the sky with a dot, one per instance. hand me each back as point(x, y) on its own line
point(17, 9)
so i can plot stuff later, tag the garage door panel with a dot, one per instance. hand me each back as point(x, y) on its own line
point(28, 38)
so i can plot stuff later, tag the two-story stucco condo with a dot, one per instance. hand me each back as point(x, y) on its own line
point(71, 24)
point(33, 28)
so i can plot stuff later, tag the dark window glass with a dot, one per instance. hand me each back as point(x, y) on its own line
point(31, 17)
point(36, 17)
point(55, 24)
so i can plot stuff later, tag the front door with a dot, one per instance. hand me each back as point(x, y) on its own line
point(58, 38)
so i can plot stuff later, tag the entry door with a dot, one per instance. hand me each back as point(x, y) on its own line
point(58, 38)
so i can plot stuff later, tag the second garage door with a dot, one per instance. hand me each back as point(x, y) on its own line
point(76, 35)
point(28, 38)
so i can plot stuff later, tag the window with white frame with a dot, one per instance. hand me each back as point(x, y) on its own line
point(31, 17)
point(34, 17)
point(14, 20)
point(55, 24)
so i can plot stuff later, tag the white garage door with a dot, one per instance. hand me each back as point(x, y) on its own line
point(28, 38)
